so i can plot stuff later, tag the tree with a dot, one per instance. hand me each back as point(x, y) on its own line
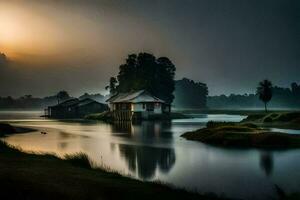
point(264, 91)
point(146, 72)
point(112, 85)
point(190, 94)
point(62, 95)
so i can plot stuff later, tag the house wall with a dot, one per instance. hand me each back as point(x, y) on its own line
point(142, 107)
point(91, 108)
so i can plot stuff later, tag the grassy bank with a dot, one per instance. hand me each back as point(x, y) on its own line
point(31, 176)
point(242, 135)
point(290, 120)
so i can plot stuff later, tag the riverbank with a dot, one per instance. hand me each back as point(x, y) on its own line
point(35, 176)
point(6, 129)
point(31, 176)
point(242, 135)
point(289, 120)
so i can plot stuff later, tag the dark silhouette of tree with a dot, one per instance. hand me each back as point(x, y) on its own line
point(264, 91)
point(144, 71)
point(112, 85)
point(62, 96)
point(190, 94)
point(97, 97)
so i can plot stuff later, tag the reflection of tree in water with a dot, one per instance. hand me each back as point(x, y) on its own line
point(145, 160)
point(266, 162)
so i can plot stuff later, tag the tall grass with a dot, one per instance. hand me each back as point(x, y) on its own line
point(79, 160)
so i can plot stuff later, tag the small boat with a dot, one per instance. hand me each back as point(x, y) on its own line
point(43, 133)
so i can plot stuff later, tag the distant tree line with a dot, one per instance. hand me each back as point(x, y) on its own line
point(190, 94)
point(281, 98)
point(30, 102)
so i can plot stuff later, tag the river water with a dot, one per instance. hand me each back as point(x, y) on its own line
point(155, 151)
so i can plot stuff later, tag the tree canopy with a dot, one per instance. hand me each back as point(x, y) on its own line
point(190, 94)
point(145, 71)
point(264, 91)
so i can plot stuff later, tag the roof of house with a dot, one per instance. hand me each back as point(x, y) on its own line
point(140, 96)
point(76, 102)
point(69, 102)
point(87, 101)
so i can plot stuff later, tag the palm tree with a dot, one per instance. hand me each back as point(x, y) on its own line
point(264, 91)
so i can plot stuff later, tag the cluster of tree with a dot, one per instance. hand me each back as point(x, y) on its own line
point(97, 97)
point(280, 98)
point(190, 94)
point(145, 71)
point(30, 102)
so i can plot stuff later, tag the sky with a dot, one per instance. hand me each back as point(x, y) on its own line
point(77, 45)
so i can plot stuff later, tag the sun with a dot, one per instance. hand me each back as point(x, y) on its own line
point(10, 31)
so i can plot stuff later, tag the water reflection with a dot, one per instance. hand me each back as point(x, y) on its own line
point(145, 160)
point(266, 162)
point(155, 151)
point(143, 130)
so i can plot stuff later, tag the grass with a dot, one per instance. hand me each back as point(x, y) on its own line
point(280, 120)
point(242, 135)
point(32, 176)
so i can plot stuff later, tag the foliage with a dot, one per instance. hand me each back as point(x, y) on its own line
point(242, 135)
point(190, 94)
point(145, 71)
point(112, 85)
point(30, 102)
point(286, 98)
point(62, 96)
point(97, 97)
point(264, 91)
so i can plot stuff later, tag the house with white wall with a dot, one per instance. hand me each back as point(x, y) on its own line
point(140, 103)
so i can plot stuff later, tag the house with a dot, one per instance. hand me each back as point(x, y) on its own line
point(139, 104)
point(75, 108)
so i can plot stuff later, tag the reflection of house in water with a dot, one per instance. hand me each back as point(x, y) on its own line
point(75, 108)
point(143, 159)
point(143, 129)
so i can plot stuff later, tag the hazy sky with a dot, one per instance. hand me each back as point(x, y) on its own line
point(77, 45)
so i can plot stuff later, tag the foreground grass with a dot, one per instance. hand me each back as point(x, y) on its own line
point(31, 176)
point(242, 135)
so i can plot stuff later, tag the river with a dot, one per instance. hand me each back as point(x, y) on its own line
point(155, 151)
